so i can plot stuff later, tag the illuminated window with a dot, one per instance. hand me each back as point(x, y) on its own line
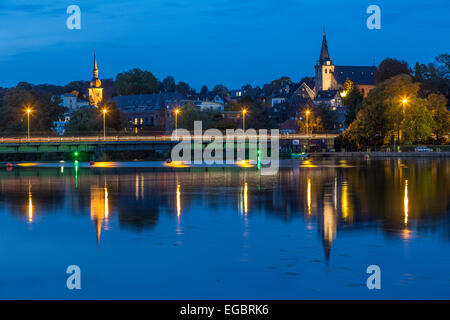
point(141, 121)
point(135, 121)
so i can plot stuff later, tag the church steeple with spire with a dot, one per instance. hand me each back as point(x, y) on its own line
point(324, 79)
point(324, 54)
point(95, 90)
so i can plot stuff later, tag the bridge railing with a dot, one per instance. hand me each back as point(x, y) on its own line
point(99, 139)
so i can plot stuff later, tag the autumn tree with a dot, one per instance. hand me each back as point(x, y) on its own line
point(352, 99)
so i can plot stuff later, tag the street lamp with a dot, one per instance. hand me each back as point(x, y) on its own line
point(104, 124)
point(176, 118)
point(404, 102)
point(244, 111)
point(307, 122)
point(28, 117)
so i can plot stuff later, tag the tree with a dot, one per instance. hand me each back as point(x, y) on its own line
point(221, 90)
point(329, 118)
point(168, 84)
point(417, 124)
point(45, 110)
point(90, 120)
point(444, 59)
point(183, 88)
point(310, 123)
point(437, 104)
point(136, 81)
point(352, 99)
point(257, 116)
point(382, 118)
point(190, 113)
point(204, 90)
point(434, 78)
point(389, 68)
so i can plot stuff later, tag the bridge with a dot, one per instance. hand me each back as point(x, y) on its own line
point(95, 144)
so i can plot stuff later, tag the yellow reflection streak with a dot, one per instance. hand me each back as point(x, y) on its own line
point(30, 164)
point(335, 192)
point(307, 164)
point(99, 208)
point(244, 164)
point(405, 201)
point(30, 208)
point(344, 200)
point(309, 196)
point(137, 187)
point(176, 164)
point(245, 198)
point(142, 186)
point(178, 201)
point(106, 204)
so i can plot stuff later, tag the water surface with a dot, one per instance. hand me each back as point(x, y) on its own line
point(309, 232)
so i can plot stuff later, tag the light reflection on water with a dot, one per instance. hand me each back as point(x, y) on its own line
point(235, 233)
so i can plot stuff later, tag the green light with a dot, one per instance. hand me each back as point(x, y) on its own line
point(259, 158)
point(76, 153)
point(76, 162)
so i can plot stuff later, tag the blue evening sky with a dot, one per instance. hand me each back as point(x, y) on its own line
point(231, 42)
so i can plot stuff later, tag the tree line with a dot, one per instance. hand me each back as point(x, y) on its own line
point(406, 107)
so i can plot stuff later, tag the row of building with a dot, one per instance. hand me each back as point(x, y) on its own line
point(287, 99)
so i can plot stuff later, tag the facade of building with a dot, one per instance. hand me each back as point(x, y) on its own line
point(95, 89)
point(149, 111)
point(72, 103)
point(209, 105)
point(331, 77)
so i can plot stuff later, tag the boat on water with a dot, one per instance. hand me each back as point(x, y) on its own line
point(300, 156)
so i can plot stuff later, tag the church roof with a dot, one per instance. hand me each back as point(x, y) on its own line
point(359, 75)
point(146, 101)
point(324, 54)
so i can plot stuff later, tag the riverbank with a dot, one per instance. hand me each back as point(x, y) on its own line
point(378, 155)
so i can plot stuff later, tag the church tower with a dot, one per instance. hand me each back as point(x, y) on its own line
point(324, 69)
point(95, 90)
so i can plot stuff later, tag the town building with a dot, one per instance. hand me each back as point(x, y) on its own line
point(72, 102)
point(209, 105)
point(331, 77)
point(149, 111)
point(95, 89)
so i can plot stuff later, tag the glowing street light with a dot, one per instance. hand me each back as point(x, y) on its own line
point(244, 111)
point(104, 123)
point(28, 117)
point(404, 102)
point(307, 122)
point(177, 111)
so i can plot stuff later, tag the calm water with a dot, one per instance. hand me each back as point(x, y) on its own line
point(308, 232)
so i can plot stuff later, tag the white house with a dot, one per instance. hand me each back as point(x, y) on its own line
point(209, 105)
point(70, 101)
point(276, 101)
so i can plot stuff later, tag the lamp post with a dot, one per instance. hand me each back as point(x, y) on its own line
point(307, 122)
point(244, 111)
point(104, 124)
point(400, 135)
point(28, 118)
point(176, 118)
